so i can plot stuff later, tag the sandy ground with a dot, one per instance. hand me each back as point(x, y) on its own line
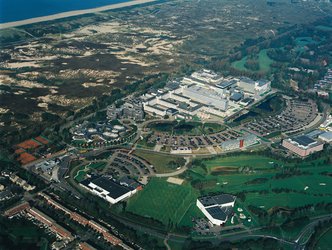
point(72, 13)
point(174, 180)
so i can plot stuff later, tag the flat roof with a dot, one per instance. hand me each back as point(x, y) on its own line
point(115, 189)
point(327, 135)
point(219, 199)
point(220, 213)
point(303, 140)
point(226, 84)
point(236, 96)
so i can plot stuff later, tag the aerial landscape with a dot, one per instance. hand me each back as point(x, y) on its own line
point(166, 124)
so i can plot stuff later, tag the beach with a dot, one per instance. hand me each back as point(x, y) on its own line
point(72, 13)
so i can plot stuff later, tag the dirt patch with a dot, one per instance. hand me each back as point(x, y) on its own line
point(224, 169)
point(174, 180)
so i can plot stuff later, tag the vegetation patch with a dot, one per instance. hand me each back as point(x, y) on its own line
point(162, 163)
point(163, 201)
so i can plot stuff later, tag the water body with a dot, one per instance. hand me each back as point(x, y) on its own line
point(17, 10)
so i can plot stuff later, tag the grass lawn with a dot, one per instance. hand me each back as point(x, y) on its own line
point(262, 186)
point(264, 62)
point(254, 161)
point(163, 201)
point(193, 212)
point(159, 161)
point(325, 242)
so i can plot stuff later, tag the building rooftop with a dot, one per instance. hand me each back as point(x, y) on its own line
point(326, 135)
point(262, 82)
point(219, 213)
point(303, 140)
point(236, 96)
point(217, 199)
point(226, 84)
point(115, 189)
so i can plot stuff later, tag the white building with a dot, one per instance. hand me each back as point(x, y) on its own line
point(108, 189)
point(326, 136)
point(256, 88)
point(217, 208)
point(206, 96)
point(181, 150)
point(239, 143)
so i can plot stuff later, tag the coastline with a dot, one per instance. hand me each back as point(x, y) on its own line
point(72, 13)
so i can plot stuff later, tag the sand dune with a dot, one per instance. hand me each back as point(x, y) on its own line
point(72, 13)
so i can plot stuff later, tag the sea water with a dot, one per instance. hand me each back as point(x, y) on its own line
point(16, 10)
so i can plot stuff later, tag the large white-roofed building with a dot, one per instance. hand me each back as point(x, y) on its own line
point(108, 189)
point(217, 208)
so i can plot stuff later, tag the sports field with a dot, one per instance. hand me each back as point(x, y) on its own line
point(163, 201)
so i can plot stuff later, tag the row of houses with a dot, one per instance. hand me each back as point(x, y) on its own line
point(34, 213)
point(84, 221)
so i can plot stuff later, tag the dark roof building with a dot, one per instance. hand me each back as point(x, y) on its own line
point(237, 96)
point(108, 189)
point(217, 208)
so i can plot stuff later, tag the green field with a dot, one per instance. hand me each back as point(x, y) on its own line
point(253, 174)
point(263, 59)
point(241, 161)
point(163, 201)
point(258, 181)
point(325, 242)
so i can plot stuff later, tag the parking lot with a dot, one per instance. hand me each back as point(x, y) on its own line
point(121, 163)
point(296, 115)
point(200, 141)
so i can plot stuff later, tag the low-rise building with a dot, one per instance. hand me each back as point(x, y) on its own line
point(217, 208)
point(240, 142)
point(302, 145)
point(108, 189)
point(181, 150)
point(17, 209)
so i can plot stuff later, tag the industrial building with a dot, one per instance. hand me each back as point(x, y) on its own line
point(217, 208)
point(202, 94)
point(302, 145)
point(256, 88)
point(108, 189)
